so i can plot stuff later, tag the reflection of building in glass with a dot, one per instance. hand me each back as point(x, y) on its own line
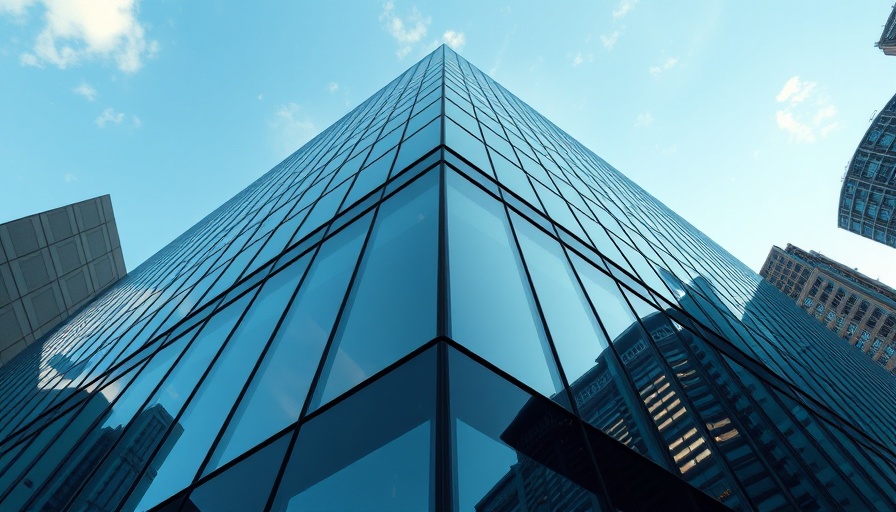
point(444, 302)
point(859, 309)
point(51, 265)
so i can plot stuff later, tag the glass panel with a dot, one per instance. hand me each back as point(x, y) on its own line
point(208, 409)
point(492, 312)
point(573, 329)
point(66, 441)
point(278, 391)
point(245, 486)
point(418, 144)
point(370, 177)
point(514, 451)
point(147, 437)
point(392, 309)
point(94, 448)
point(372, 451)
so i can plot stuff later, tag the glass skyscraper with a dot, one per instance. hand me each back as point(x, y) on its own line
point(444, 302)
point(868, 194)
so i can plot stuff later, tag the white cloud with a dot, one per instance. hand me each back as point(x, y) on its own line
point(109, 116)
point(15, 7)
point(406, 31)
point(69, 177)
point(610, 41)
point(137, 121)
point(625, 6)
point(333, 87)
point(806, 114)
point(292, 126)
point(260, 97)
point(800, 131)
point(456, 40)
point(86, 90)
point(665, 66)
point(581, 58)
point(644, 120)
point(80, 30)
point(795, 90)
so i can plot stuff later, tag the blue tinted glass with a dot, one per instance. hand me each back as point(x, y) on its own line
point(418, 144)
point(573, 329)
point(392, 309)
point(278, 391)
point(615, 314)
point(372, 451)
point(492, 312)
point(149, 431)
point(245, 486)
point(208, 409)
point(466, 145)
point(370, 177)
point(514, 451)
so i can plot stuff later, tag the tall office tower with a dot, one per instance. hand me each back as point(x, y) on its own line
point(868, 195)
point(51, 265)
point(444, 302)
point(859, 309)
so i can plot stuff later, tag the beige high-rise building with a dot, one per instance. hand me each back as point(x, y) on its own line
point(861, 310)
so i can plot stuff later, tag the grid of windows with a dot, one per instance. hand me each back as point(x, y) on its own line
point(444, 302)
point(834, 293)
point(868, 196)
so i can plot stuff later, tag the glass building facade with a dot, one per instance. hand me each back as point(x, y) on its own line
point(868, 195)
point(444, 302)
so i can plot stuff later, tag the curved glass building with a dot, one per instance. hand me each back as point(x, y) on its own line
point(444, 302)
point(868, 196)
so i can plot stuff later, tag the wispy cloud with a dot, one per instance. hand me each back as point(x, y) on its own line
point(610, 41)
point(407, 30)
point(625, 6)
point(69, 178)
point(333, 87)
point(456, 40)
point(292, 127)
point(109, 116)
point(76, 31)
point(644, 120)
point(136, 121)
point(805, 113)
point(580, 58)
point(795, 90)
point(15, 7)
point(665, 66)
point(85, 90)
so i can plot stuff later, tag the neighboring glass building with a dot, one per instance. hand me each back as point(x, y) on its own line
point(444, 302)
point(859, 309)
point(868, 196)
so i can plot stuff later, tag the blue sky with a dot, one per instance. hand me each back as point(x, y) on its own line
point(740, 116)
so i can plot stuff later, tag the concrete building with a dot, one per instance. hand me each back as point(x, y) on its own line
point(52, 264)
point(861, 310)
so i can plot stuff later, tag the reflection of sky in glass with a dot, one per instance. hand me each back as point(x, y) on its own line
point(481, 463)
point(393, 477)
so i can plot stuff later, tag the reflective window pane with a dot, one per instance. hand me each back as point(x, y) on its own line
point(392, 309)
point(372, 451)
point(492, 312)
point(277, 394)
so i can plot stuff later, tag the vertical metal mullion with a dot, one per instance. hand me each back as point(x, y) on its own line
point(444, 473)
